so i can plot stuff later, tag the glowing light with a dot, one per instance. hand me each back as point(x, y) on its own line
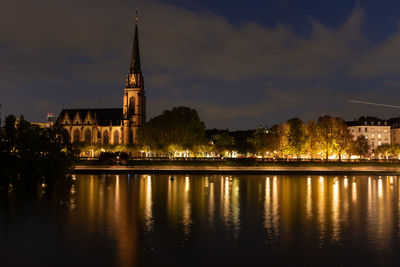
point(354, 191)
point(380, 188)
point(211, 204)
point(267, 207)
point(335, 210)
point(345, 182)
point(148, 205)
point(187, 183)
point(309, 198)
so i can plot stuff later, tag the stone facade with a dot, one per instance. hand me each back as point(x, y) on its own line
point(112, 125)
point(377, 131)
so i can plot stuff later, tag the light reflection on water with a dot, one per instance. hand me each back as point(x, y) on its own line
point(144, 219)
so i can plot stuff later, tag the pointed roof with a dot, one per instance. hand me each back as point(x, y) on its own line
point(135, 60)
point(104, 116)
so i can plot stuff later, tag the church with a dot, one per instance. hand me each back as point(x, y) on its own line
point(112, 125)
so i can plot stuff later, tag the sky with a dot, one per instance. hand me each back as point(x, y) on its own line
point(240, 64)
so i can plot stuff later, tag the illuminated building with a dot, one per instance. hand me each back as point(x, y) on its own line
point(375, 130)
point(112, 125)
point(395, 130)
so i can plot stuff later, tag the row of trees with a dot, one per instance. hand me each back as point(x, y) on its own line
point(181, 129)
point(387, 150)
point(329, 136)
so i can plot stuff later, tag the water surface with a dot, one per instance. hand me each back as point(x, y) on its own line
point(198, 220)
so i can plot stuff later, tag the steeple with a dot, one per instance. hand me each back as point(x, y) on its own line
point(135, 60)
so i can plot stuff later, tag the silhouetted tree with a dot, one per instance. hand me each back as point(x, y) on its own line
point(10, 132)
point(223, 142)
point(180, 128)
point(360, 146)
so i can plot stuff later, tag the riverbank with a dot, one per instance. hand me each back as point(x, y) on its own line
point(271, 169)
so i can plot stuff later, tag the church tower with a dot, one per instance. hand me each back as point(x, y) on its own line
point(134, 109)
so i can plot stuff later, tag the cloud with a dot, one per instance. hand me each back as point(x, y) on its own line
point(77, 53)
point(391, 83)
point(381, 60)
point(205, 44)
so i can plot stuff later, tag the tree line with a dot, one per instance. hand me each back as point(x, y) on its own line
point(181, 129)
point(329, 136)
point(30, 149)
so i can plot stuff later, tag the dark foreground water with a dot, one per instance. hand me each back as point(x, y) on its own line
point(195, 220)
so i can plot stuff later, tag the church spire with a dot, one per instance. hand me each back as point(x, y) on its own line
point(135, 60)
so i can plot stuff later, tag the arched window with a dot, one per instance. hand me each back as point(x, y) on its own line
point(77, 136)
point(106, 138)
point(131, 105)
point(116, 137)
point(88, 136)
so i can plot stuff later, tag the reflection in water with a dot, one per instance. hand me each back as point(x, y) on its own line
point(309, 198)
point(235, 207)
point(141, 219)
point(187, 220)
point(226, 201)
point(321, 206)
point(335, 210)
point(354, 191)
point(148, 205)
point(380, 188)
point(211, 205)
point(267, 207)
point(271, 206)
point(275, 209)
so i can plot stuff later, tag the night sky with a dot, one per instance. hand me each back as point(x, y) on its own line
point(241, 64)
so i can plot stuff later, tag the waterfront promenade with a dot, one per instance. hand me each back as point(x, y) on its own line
point(315, 170)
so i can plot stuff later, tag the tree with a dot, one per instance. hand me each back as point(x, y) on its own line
point(385, 149)
point(278, 139)
point(325, 133)
point(360, 146)
point(10, 132)
point(261, 140)
point(296, 137)
point(243, 142)
point(180, 127)
point(41, 151)
point(312, 144)
point(223, 143)
point(341, 137)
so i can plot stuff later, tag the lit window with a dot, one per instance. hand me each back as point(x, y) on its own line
point(379, 136)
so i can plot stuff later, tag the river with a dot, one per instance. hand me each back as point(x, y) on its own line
point(200, 220)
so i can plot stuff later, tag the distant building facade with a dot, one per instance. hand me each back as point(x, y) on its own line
point(395, 130)
point(377, 131)
point(112, 125)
